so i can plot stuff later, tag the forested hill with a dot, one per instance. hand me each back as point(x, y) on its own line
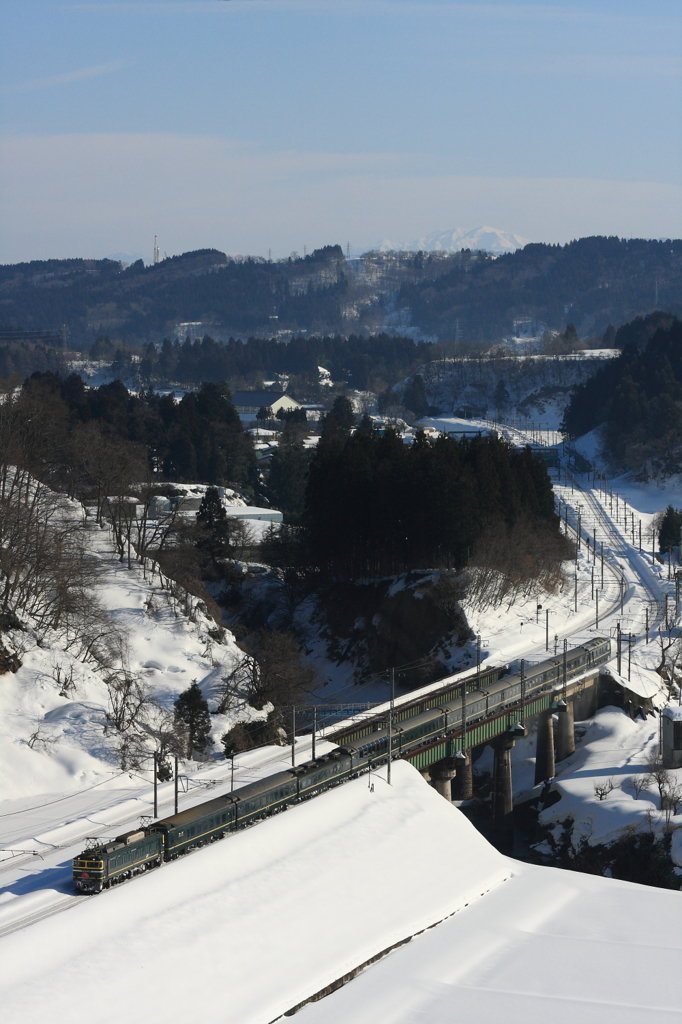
point(637, 398)
point(138, 303)
point(592, 282)
point(467, 296)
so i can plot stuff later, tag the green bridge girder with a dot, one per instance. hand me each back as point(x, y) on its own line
point(486, 730)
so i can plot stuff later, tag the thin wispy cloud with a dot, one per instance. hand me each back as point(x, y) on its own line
point(67, 76)
point(445, 8)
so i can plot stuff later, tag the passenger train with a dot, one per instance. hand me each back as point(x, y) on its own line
point(141, 849)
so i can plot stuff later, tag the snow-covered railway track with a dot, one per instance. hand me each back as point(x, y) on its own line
point(32, 917)
point(617, 549)
point(243, 775)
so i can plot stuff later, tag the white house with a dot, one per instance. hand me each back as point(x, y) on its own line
point(247, 403)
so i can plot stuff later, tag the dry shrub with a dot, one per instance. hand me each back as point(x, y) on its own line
point(509, 562)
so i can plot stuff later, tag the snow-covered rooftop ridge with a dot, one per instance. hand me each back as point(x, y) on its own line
point(673, 713)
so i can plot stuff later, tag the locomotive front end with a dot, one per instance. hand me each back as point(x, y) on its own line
point(88, 873)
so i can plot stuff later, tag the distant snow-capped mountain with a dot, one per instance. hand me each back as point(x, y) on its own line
point(486, 238)
point(124, 257)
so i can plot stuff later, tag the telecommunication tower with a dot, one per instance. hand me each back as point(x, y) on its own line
point(156, 251)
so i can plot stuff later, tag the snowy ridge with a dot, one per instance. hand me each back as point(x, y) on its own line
point(484, 238)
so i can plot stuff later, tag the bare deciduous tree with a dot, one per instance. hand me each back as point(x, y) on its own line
point(602, 789)
point(270, 672)
point(638, 783)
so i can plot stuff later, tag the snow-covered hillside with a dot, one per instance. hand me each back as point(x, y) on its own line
point(535, 388)
point(56, 734)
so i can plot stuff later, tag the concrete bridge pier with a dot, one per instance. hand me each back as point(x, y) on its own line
point(442, 773)
point(565, 745)
point(544, 750)
point(503, 802)
point(464, 785)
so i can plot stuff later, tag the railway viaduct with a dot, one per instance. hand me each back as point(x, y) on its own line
point(448, 761)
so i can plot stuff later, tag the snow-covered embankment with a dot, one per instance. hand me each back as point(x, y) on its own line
point(252, 926)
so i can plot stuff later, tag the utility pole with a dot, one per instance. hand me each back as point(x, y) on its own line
point(156, 788)
point(618, 645)
point(293, 736)
point(596, 625)
point(601, 550)
point(231, 757)
point(464, 717)
point(478, 661)
point(646, 620)
point(575, 594)
point(593, 583)
point(176, 783)
point(390, 728)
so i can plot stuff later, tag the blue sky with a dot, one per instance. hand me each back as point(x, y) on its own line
point(256, 124)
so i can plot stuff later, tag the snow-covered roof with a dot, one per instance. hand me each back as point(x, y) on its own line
point(673, 713)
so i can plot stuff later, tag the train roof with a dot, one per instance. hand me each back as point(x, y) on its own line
point(200, 811)
point(218, 805)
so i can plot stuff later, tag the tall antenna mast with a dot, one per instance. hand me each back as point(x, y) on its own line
point(156, 251)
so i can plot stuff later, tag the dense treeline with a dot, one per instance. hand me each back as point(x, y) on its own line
point(358, 361)
point(469, 296)
point(22, 358)
point(198, 438)
point(637, 397)
point(141, 302)
point(375, 506)
point(599, 280)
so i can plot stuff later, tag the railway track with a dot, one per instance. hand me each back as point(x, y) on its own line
point(39, 915)
point(617, 549)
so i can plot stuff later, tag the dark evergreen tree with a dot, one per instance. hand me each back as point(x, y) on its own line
point(501, 395)
point(213, 523)
point(288, 477)
point(193, 717)
point(414, 396)
point(340, 420)
point(669, 533)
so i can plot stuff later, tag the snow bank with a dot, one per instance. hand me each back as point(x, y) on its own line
point(549, 946)
point(250, 927)
point(614, 748)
